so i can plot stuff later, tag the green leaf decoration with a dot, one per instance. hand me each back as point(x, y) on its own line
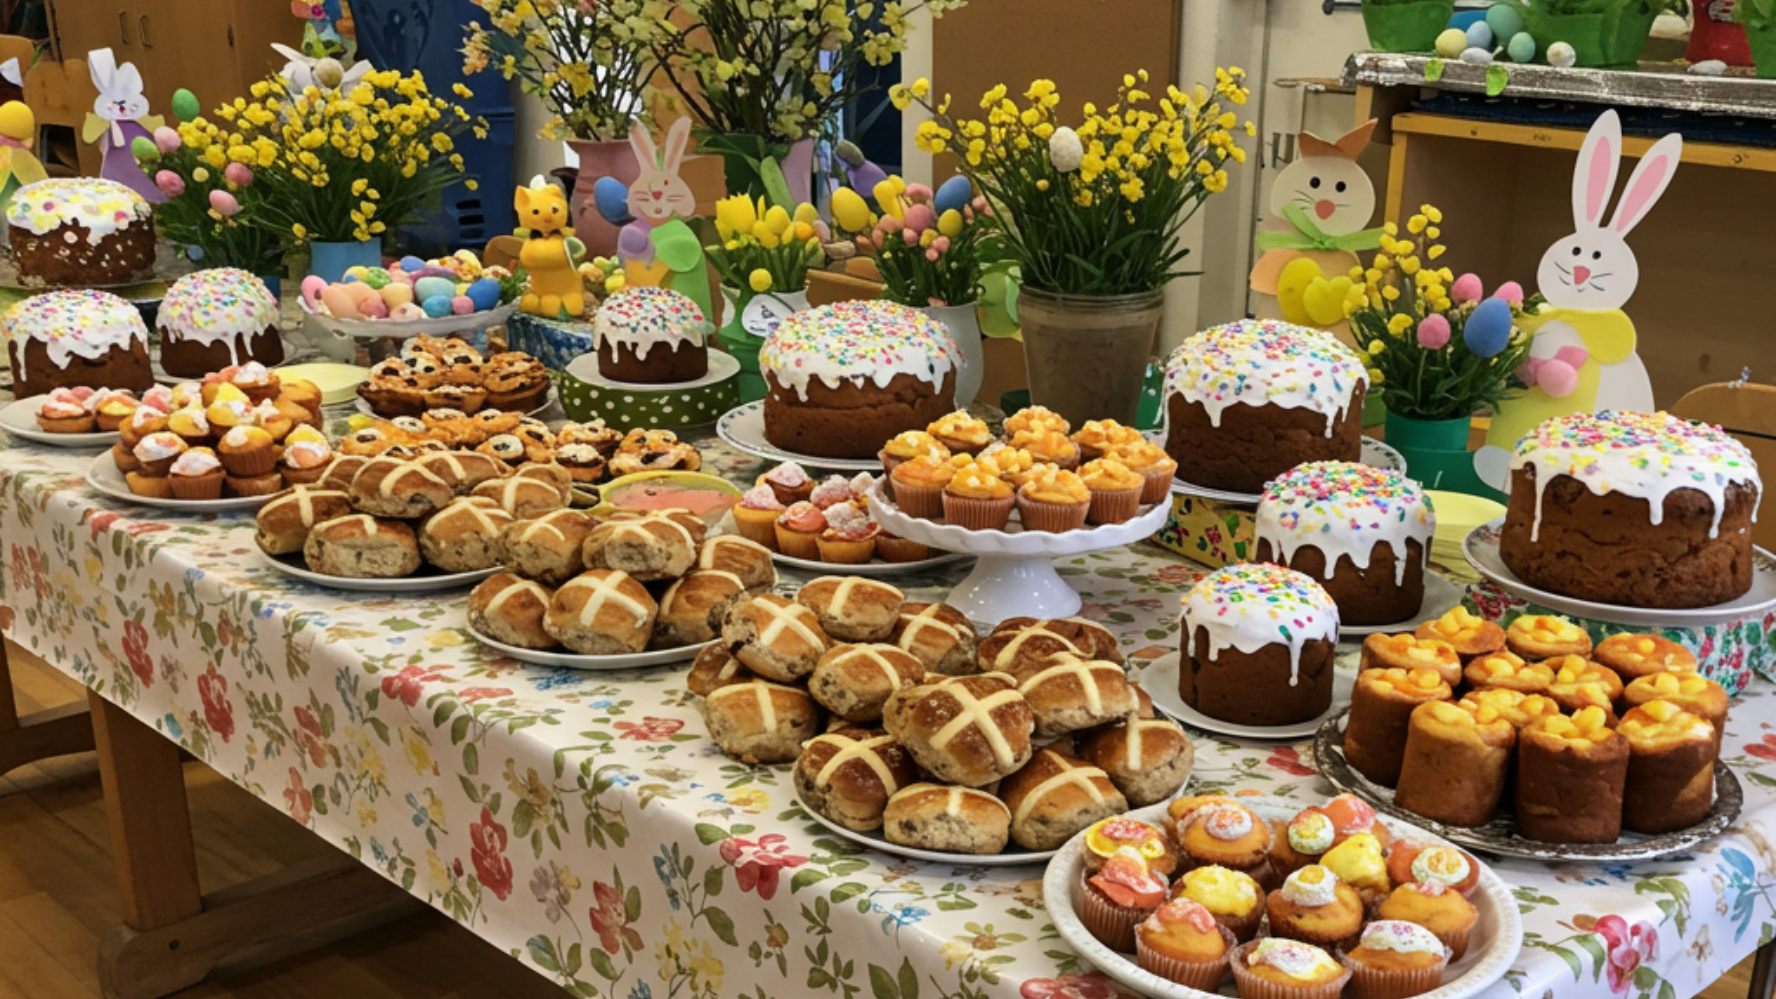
point(677, 246)
point(712, 881)
point(1572, 961)
point(1433, 70)
point(723, 926)
point(542, 953)
point(909, 980)
point(708, 834)
point(770, 172)
point(1496, 78)
point(882, 984)
point(1594, 947)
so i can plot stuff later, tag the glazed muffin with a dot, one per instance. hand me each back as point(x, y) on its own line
point(1411, 862)
point(1411, 652)
point(1097, 437)
point(1571, 775)
point(1507, 670)
point(1181, 942)
point(1115, 490)
point(1231, 896)
point(1394, 959)
point(1275, 968)
point(1544, 636)
point(1456, 763)
point(755, 516)
point(1694, 693)
point(1300, 841)
point(1050, 446)
point(1151, 462)
point(961, 433)
point(1352, 816)
point(798, 531)
point(1053, 499)
point(247, 452)
point(1106, 837)
point(1382, 702)
point(1014, 465)
point(1035, 418)
point(911, 444)
point(977, 499)
point(1315, 906)
point(1119, 897)
point(919, 484)
point(1228, 834)
point(1634, 656)
point(1436, 907)
point(1358, 862)
point(1671, 755)
point(1581, 683)
point(1471, 635)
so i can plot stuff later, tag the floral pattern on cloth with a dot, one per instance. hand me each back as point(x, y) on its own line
point(585, 824)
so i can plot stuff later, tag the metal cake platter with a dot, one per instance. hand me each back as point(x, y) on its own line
point(1500, 835)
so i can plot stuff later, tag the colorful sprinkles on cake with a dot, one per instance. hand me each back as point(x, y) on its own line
point(223, 304)
point(102, 206)
point(1264, 361)
point(81, 322)
point(646, 315)
point(1344, 509)
point(851, 341)
point(1647, 455)
point(1254, 604)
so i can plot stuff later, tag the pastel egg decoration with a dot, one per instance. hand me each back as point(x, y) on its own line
point(374, 308)
point(312, 286)
point(1488, 328)
point(485, 293)
point(376, 277)
point(612, 198)
point(339, 302)
point(395, 294)
point(1562, 55)
point(359, 291)
point(954, 193)
point(406, 312)
point(1521, 48)
point(438, 306)
point(411, 263)
point(1480, 36)
point(1504, 20)
point(1478, 56)
point(427, 288)
point(462, 305)
point(1451, 42)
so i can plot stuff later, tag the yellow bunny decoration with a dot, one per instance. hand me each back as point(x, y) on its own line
point(550, 253)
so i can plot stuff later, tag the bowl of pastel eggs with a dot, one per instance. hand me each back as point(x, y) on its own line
point(446, 297)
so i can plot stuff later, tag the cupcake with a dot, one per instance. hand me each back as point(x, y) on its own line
point(755, 516)
point(159, 398)
point(1301, 841)
point(1053, 500)
point(1507, 670)
point(1580, 683)
point(61, 413)
point(186, 394)
point(112, 408)
point(1275, 968)
point(191, 425)
point(798, 531)
point(124, 457)
point(1358, 862)
point(226, 414)
point(1436, 907)
point(1118, 897)
point(894, 548)
point(1110, 835)
point(1513, 706)
point(1635, 656)
point(196, 475)
point(1472, 636)
point(1352, 816)
point(1412, 862)
point(961, 433)
point(149, 486)
point(1011, 464)
point(303, 393)
point(1231, 896)
point(305, 461)
point(1315, 906)
point(789, 482)
point(157, 452)
point(273, 422)
point(255, 485)
point(247, 452)
point(1151, 462)
point(850, 535)
point(1051, 446)
point(1537, 637)
point(259, 383)
point(909, 445)
point(919, 484)
point(1394, 959)
point(1226, 833)
point(1115, 491)
point(832, 490)
point(142, 422)
point(977, 500)
point(1034, 418)
point(1692, 692)
point(1097, 437)
point(1181, 942)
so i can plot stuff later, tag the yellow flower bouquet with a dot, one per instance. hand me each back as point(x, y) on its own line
point(765, 247)
point(585, 61)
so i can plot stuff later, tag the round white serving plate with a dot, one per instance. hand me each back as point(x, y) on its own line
point(1160, 681)
point(573, 660)
point(1441, 594)
point(872, 568)
point(104, 476)
point(427, 580)
point(1011, 856)
point(20, 420)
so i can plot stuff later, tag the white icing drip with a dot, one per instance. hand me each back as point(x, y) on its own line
point(222, 304)
point(644, 316)
point(1302, 892)
point(1346, 523)
point(1263, 362)
point(81, 323)
point(848, 343)
point(102, 206)
point(1253, 623)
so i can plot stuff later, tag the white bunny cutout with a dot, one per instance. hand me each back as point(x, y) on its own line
point(658, 193)
point(1583, 358)
point(119, 116)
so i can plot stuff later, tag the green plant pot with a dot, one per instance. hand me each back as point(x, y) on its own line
point(1762, 40)
point(744, 347)
point(1627, 30)
point(1589, 33)
point(1436, 452)
point(1412, 26)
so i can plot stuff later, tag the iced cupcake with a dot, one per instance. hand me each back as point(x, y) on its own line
point(157, 452)
point(1119, 897)
point(919, 484)
point(1274, 968)
point(1232, 897)
point(961, 433)
point(1436, 907)
point(850, 535)
point(832, 490)
point(789, 482)
point(196, 475)
point(1149, 461)
point(112, 408)
point(1301, 841)
point(247, 452)
point(1315, 906)
point(1115, 491)
point(1181, 942)
point(1032, 418)
point(305, 461)
point(977, 500)
point(1394, 959)
point(1053, 499)
point(1412, 862)
point(909, 445)
point(755, 516)
point(1110, 835)
point(798, 531)
point(1358, 862)
point(258, 382)
point(62, 413)
point(1051, 446)
point(191, 425)
point(142, 422)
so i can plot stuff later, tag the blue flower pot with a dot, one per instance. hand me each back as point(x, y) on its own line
point(329, 261)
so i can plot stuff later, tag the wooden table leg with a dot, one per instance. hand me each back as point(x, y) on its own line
point(41, 734)
point(173, 935)
point(1763, 973)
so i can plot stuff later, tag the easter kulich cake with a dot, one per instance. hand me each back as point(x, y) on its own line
point(1361, 532)
point(650, 336)
point(1257, 645)
point(80, 231)
point(845, 377)
point(218, 318)
point(63, 339)
point(1248, 401)
point(1632, 509)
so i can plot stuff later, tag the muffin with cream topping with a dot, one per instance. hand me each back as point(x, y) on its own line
point(1115, 490)
point(1053, 499)
point(977, 499)
point(1394, 959)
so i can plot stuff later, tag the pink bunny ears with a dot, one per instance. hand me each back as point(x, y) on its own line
point(1594, 179)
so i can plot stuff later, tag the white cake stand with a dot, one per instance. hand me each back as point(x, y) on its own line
point(1014, 575)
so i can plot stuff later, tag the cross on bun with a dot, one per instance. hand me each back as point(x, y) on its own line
point(360, 546)
point(650, 548)
point(948, 819)
point(1148, 759)
point(852, 608)
point(509, 609)
point(602, 612)
point(969, 730)
point(462, 471)
point(1054, 796)
point(392, 487)
point(547, 548)
point(464, 536)
point(695, 525)
point(283, 523)
point(1020, 644)
point(1069, 695)
point(550, 473)
point(749, 560)
point(775, 637)
point(715, 667)
point(939, 635)
point(759, 721)
point(694, 605)
point(848, 775)
point(854, 681)
point(342, 470)
point(523, 497)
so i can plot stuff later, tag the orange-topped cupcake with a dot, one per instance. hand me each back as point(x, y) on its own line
point(1315, 906)
point(1412, 862)
point(1692, 692)
point(798, 531)
point(1274, 968)
point(1151, 462)
point(1051, 446)
point(142, 422)
point(1012, 464)
point(305, 461)
point(1571, 774)
point(1097, 437)
point(1513, 706)
point(1411, 652)
point(1110, 835)
point(196, 475)
point(113, 408)
point(1634, 656)
point(1232, 896)
point(1053, 499)
point(1181, 942)
point(909, 445)
point(1436, 907)
point(1671, 755)
point(961, 433)
point(976, 499)
point(1036, 418)
point(1352, 816)
point(1228, 834)
point(1119, 896)
point(1358, 862)
point(1382, 702)
point(247, 452)
point(1300, 841)
point(1545, 636)
point(919, 484)
point(1456, 763)
point(191, 425)
point(1471, 635)
point(1115, 491)
point(1508, 670)
point(64, 413)
point(226, 414)
point(1581, 683)
point(1394, 959)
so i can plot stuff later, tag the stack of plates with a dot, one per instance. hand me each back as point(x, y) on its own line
point(1457, 516)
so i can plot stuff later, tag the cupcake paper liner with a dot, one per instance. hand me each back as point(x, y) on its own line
point(151, 486)
point(197, 487)
point(846, 552)
point(1202, 975)
point(1156, 485)
point(918, 501)
point(1368, 982)
point(1113, 925)
point(260, 460)
point(1252, 986)
point(798, 544)
point(757, 525)
point(1243, 927)
point(901, 550)
point(1040, 515)
point(1113, 506)
point(255, 485)
point(1457, 941)
point(125, 459)
point(975, 513)
point(304, 476)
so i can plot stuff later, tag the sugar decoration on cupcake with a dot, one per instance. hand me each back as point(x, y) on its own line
point(101, 206)
point(1264, 361)
point(68, 323)
point(223, 304)
point(1253, 605)
point(1646, 455)
point(1344, 509)
point(647, 315)
point(849, 341)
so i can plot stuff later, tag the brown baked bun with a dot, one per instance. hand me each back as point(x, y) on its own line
point(602, 612)
point(948, 819)
point(360, 546)
point(759, 721)
point(1023, 644)
point(464, 536)
point(748, 560)
point(1456, 763)
point(1070, 695)
point(775, 637)
point(969, 730)
point(283, 523)
point(939, 635)
point(462, 470)
point(848, 775)
point(1054, 796)
point(1671, 755)
point(651, 548)
point(715, 667)
point(854, 681)
point(510, 609)
point(546, 548)
point(391, 487)
point(1148, 759)
point(852, 608)
point(522, 497)
point(693, 606)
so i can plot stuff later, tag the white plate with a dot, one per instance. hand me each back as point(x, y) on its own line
point(873, 568)
point(20, 420)
point(1160, 681)
point(1011, 856)
point(573, 660)
point(429, 579)
point(1481, 546)
point(104, 476)
point(744, 428)
point(363, 406)
point(1498, 933)
point(1441, 594)
point(442, 326)
point(1375, 453)
point(722, 366)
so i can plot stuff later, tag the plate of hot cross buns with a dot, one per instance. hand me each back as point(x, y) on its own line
point(913, 733)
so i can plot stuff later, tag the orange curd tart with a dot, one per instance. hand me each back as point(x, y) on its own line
point(1053, 499)
point(1115, 490)
point(1581, 683)
point(1544, 636)
point(977, 499)
point(1692, 692)
point(1471, 635)
point(1635, 656)
point(1510, 671)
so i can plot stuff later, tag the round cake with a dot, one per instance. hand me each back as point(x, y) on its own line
point(845, 378)
point(1632, 509)
point(217, 318)
point(1248, 401)
point(650, 336)
point(1361, 532)
point(64, 339)
point(1257, 643)
point(80, 231)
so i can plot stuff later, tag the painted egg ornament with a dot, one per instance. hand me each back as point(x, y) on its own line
point(185, 104)
point(338, 301)
point(428, 288)
point(312, 286)
point(411, 263)
point(376, 277)
point(461, 305)
point(484, 293)
point(356, 272)
point(1504, 20)
point(1480, 36)
point(1562, 55)
point(406, 312)
point(395, 294)
point(1488, 329)
point(611, 197)
point(954, 193)
point(1477, 57)
point(437, 306)
point(1708, 67)
point(1522, 47)
point(1451, 42)
point(374, 308)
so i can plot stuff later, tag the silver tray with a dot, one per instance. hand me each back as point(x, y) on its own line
point(1500, 835)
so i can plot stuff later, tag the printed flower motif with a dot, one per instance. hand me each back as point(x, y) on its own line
point(1088, 986)
point(407, 685)
point(1176, 575)
point(218, 712)
point(650, 729)
point(307, 736)
point(553, 886)
point(101, 522)
point(1288, 760)
point(489, 855)
point(757, 864)
point(135, 650)
point(1628, 947)
point(1763, 749)
point(298, 800)
point(610, 920)
point(473, 694)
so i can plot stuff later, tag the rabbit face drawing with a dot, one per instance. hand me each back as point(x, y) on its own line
point(1327, 184)
point(658, 192)
point(120, 88)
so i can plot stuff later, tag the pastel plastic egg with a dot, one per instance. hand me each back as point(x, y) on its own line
point(395, 294)
point(401, 277)
point(411, 263)
point(427, 288)
point(437, 306)
point(356, 272)
point(484, 293)
point(461, 305)
point(611, 197)
point(1480, 36)
point(311, 290)
point(339, 301)
point(1504, 20)
point(406, 312)
point(1562, 55)
point(1451, 42)
point(1488, 328)
point(1522, 47)
point(468, 257)
point(359, 291)
point(1477, 56)
point(376, 277)
point(374, 307)
point(1708, 67)
point(954, 193)
point(185, 104)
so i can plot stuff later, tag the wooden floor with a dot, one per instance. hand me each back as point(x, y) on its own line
point(58, 896)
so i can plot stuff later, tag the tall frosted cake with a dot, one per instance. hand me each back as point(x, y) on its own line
point(63, 339)
point(217, 318)
point(650, 336)
point(80, 231)
point(1257, 643)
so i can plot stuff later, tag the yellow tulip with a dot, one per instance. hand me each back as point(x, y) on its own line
point(735, 213)
point(850, 211)
point(889, 199)
point(807, 213)
point(760, 280)
point(777, 220)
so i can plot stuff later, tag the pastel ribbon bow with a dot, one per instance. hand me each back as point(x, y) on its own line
point(1308, 236)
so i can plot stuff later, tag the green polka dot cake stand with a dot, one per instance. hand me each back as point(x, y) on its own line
point(586, 395)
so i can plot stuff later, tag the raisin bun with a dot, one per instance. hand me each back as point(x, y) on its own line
point(969, 730)
point(749, 560)
point(546, 548)
point(1148, 759)
point(1070, 695)
point(848, 775)
point(854, 681)
point(775, 637)
point(947, 819)
point(549, 474)
point(693, 607)
point(602, 612)
point(393, 487)
point(1022, 644)
point(939, 635)
point(522, 497)
point(852, 608)
point(342, 470)
point(760, 721)
point(510, 609)
point(462, 470)
point(464, 536)
point(649, 548)
point(1054, 796)
point(283, 523)
point(360, 546)
point(715, 667)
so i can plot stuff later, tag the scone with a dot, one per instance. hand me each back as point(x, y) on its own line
point(848, 775)
point(969, 730)
point(854, 681)
point(650, 548)
point(852, 608)
point(602, 612)
point(464, 535)
point(1054, 796)
point(947, 819)
point(362, 547)
point(283, 524)
point(775, 637)
point(547, 548)
point(760, 721)
point(509, 609)
point(693, 606)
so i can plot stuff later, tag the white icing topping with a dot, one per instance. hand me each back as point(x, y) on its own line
point(74, 323)
point(102, 206)
point(644, 316)
point(854, 342)
point(1251, 605)
point(1262, 362)
point(1311, 886)
point(1345, 509)
point(1400, 936)
point(222, 304)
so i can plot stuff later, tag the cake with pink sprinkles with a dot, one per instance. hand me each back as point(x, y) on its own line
point(650, 336)
point(1256, 644)
point(218, 318)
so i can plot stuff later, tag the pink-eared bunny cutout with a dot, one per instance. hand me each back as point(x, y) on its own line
point(1648, 181)
point(1598, 160)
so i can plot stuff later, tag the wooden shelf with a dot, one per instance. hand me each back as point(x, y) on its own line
point(1543, 137)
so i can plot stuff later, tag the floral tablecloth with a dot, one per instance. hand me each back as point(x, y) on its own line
point(584, 823)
